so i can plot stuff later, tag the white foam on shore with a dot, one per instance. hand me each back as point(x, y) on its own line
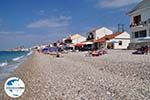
point(17, 58)
point(29, 53)
point(3, 64)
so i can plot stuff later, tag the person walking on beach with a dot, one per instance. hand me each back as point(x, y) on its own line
point(146, 50)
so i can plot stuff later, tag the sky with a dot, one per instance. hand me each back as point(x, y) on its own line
point(32, 22)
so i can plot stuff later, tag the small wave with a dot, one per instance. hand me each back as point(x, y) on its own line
point(17, 58)
point(29, 53)
point(3, 64)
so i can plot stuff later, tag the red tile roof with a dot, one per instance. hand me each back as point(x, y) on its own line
point(107, 37)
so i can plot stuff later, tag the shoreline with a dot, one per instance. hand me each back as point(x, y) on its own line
point(75, 76)
point(12, 65)
point(14, 73)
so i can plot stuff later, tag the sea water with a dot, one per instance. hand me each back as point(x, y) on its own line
point(9, 61)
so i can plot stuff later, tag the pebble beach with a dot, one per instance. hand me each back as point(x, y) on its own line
point(118, 75)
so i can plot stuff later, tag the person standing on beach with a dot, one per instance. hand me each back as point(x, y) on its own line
point(146, 50)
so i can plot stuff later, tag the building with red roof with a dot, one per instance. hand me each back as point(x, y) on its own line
point(118, 40)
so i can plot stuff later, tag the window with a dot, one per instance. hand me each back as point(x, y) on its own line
point(120, 43)
point(139, 34)
point(90, 36)
point(143, 33)
point(68, 41)
point(136, 34)
point(137, 19)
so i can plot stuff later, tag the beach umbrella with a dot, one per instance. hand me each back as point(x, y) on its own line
point(114, 41)
point(53, 49)
point(45, 50)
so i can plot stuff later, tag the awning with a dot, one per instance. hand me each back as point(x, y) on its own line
point(114, 41)
point(146, 38)
point(88, 42)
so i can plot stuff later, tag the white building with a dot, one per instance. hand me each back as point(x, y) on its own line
point(140, 23)
point(98, 33)
point(75, 39)
point(118, 40)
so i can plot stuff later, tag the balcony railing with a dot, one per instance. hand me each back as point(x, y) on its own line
point(142, 23)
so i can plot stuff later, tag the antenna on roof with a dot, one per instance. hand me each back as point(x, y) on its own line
point(120, 27)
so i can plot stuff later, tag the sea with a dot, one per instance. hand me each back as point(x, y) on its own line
point(10, 60)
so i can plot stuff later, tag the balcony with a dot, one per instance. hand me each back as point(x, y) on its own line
point(140, 40)
point(141, 24)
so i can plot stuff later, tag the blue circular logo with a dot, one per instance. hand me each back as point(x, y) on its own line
point(14, 87)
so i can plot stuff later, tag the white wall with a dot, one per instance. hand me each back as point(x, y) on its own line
point(78, 40)
point(124, 37)
point(144, 11)
point(102, 32)
point(125, 44)
point(145, 14)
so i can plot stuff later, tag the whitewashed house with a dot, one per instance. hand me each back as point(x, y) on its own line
point(78, 39)
point(140, 23)
point(98, 33)
point(118, 40)
point(75, 39)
